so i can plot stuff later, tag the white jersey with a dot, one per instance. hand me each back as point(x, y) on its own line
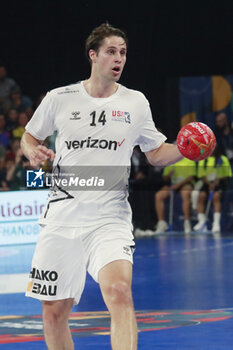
point(99, 133)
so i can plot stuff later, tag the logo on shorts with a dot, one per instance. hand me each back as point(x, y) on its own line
point(47, 284)
point(35, 178)
point(127, 250)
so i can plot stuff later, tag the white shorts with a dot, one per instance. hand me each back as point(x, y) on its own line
point(64, 254)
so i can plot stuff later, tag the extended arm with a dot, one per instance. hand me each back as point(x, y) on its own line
point(165, 155)
point(34, 150)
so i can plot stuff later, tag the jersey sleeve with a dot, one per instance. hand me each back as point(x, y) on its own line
point(41, 124)
point(150, 138)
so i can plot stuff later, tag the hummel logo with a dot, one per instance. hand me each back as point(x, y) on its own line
point(75, 116)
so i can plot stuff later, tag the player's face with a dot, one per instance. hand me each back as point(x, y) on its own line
point(110, 59)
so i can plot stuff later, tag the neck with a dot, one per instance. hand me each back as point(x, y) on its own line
point(97, 88)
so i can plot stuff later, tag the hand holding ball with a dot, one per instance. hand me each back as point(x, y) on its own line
point(196, 141)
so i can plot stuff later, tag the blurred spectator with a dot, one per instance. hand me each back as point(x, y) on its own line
point(139, 165)
point(16, 174)
point(181, 177)
point(4, 135)
point(214, 173)
point(224, 135)
point(6, 84)
point(144, 181)
point(3, 182)
point(2, 151)
point(137, 193)
point(22, 122)
point(13, 148)
point(12, 120)
point(21, 103)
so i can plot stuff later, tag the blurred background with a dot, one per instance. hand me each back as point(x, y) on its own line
point(180, 56)
point(42, 46)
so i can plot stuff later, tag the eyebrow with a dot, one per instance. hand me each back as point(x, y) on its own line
point(115, 47)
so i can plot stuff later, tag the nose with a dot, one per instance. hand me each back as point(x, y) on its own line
point(118, 57)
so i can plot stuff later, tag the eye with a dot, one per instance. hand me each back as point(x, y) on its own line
point(111, 51)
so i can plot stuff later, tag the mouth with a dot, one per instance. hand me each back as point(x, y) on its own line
point(116, 69)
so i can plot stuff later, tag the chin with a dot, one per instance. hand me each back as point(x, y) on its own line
point(113, 79)
point(117, 78)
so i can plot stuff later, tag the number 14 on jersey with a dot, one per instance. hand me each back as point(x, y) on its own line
point(98, 118)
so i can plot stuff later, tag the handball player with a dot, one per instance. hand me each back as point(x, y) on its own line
point(98, 123)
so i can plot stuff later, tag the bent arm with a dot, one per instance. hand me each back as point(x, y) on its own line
point(166, 154)
point(34, 150)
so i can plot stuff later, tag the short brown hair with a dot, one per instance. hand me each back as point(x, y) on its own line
point(98, 34)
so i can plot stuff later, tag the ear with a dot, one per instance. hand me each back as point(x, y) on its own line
point(92, 55)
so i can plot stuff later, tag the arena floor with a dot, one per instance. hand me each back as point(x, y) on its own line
point(182, 290)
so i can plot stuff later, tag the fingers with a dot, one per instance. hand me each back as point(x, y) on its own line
point(40, 154)
point(51, 155)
